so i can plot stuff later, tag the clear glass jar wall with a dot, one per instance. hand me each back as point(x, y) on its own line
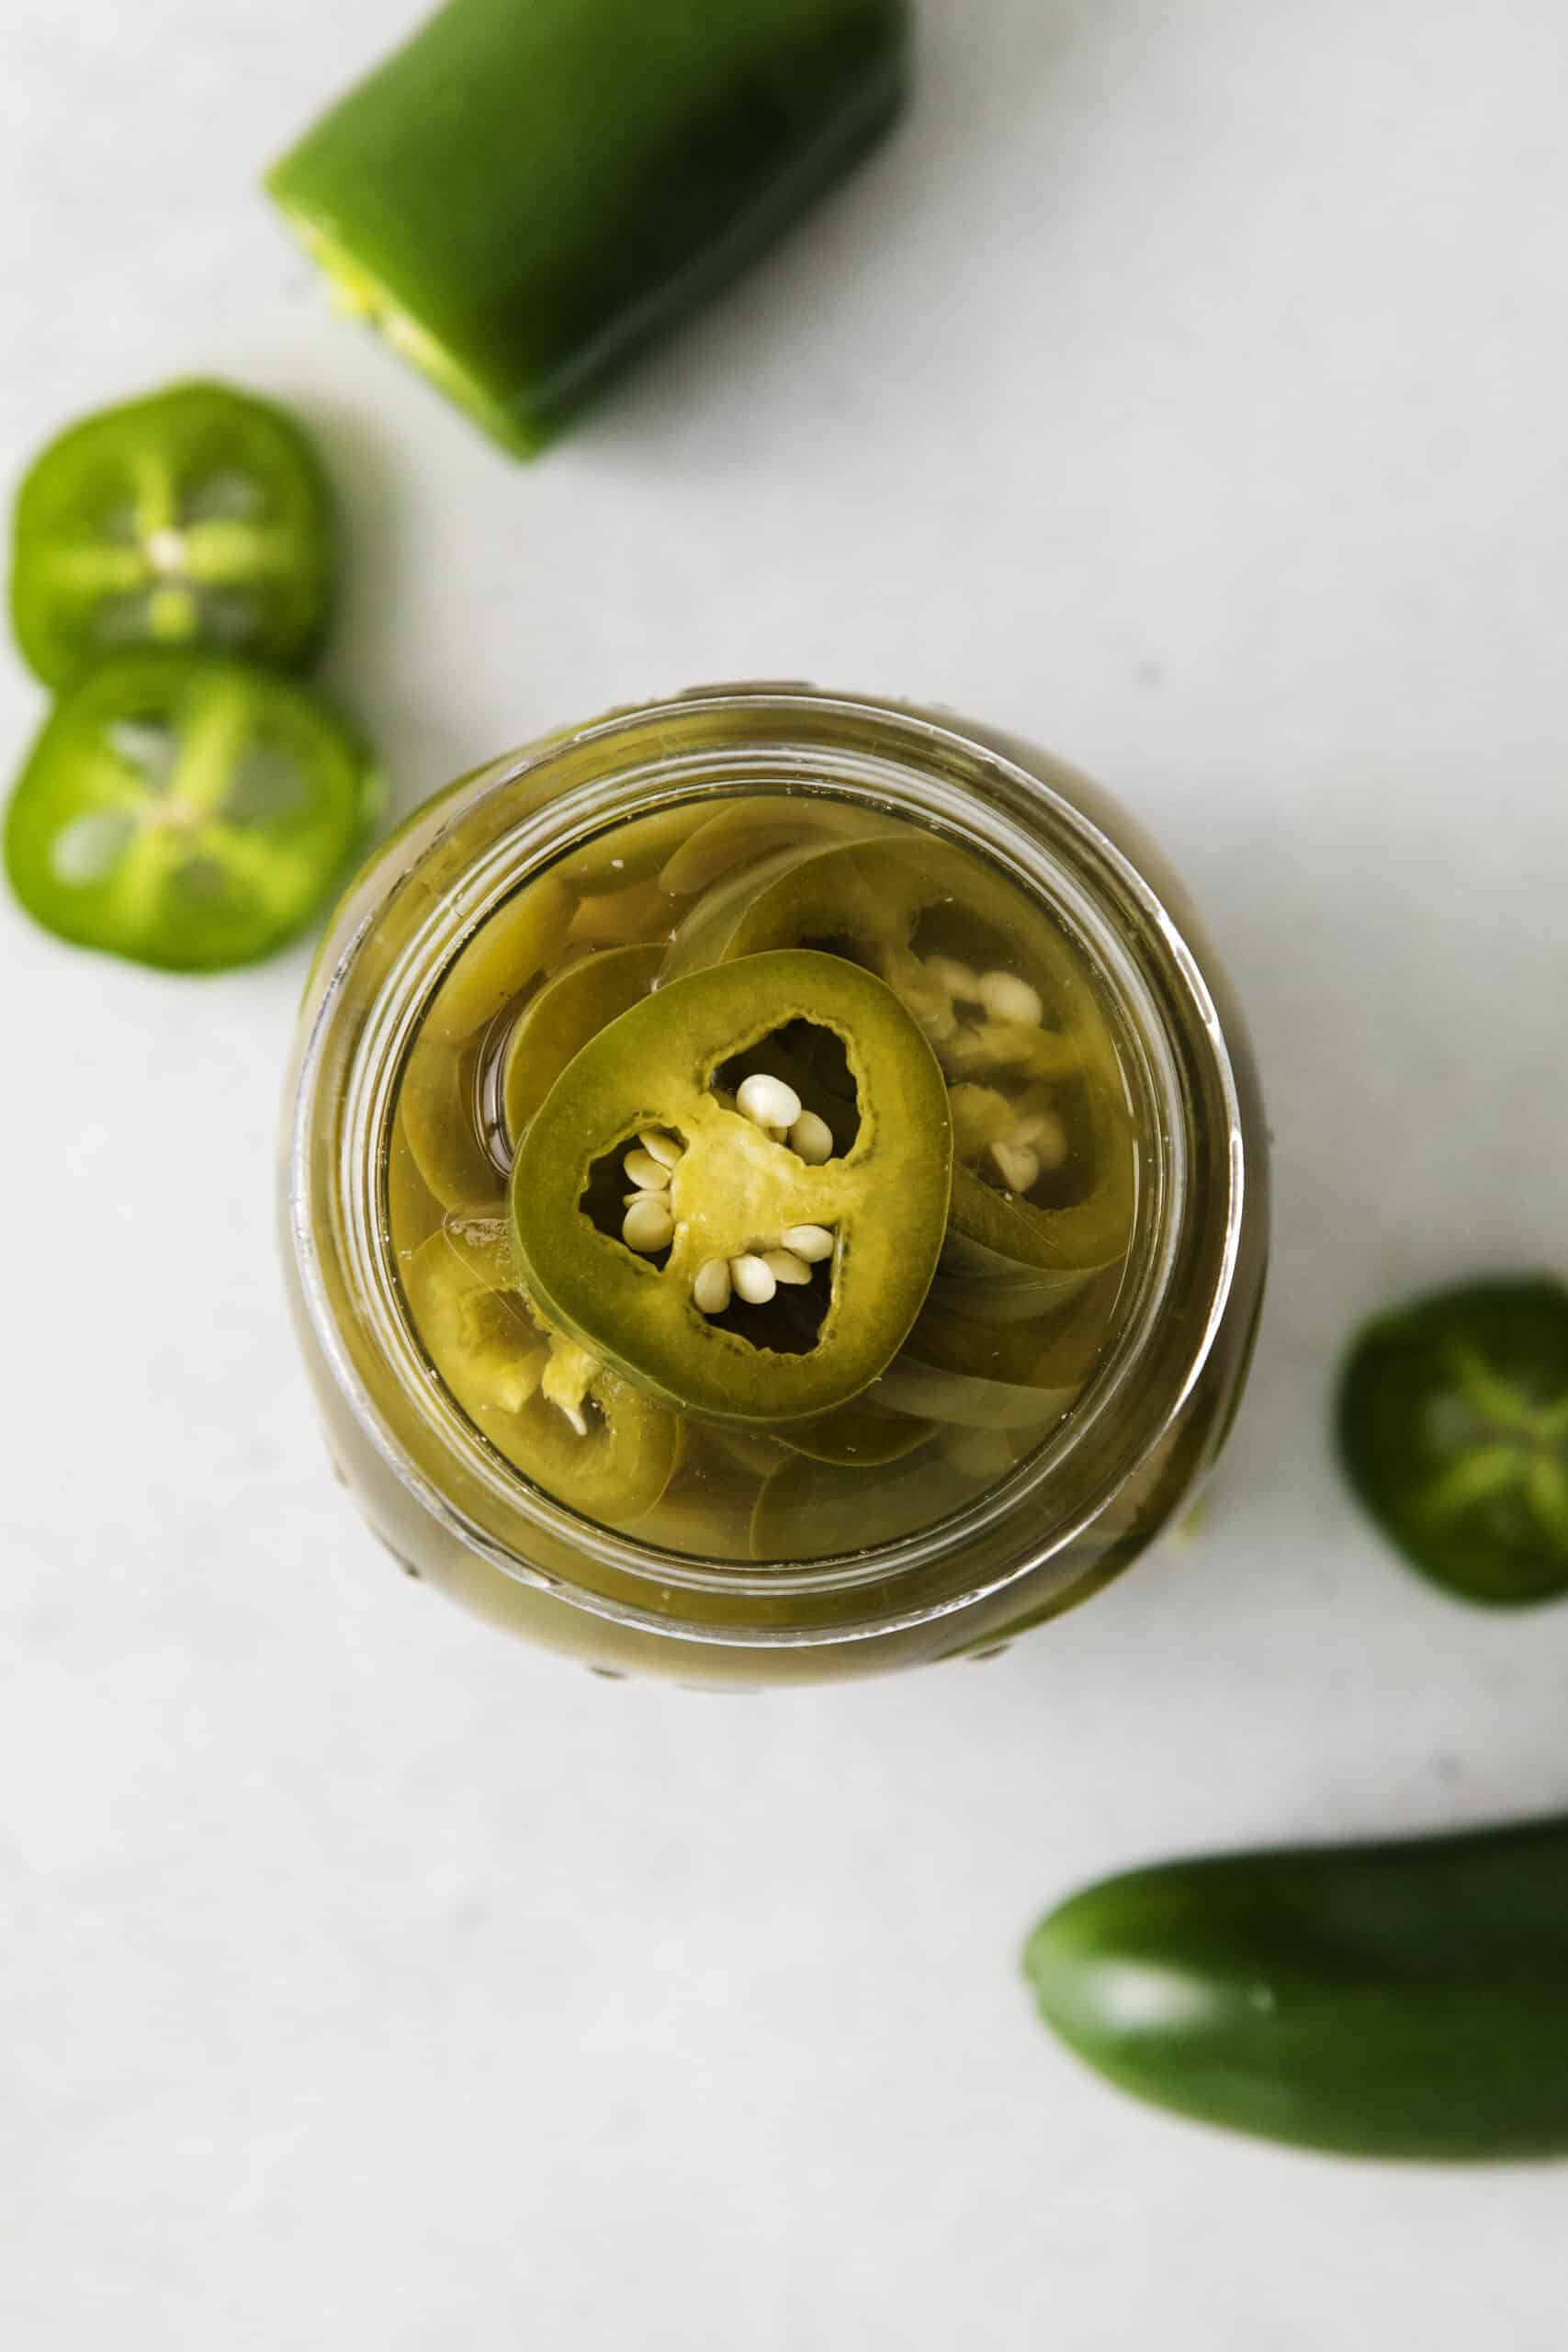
point(1006, 1551)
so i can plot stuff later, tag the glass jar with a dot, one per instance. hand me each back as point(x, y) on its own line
point(1128, 1455)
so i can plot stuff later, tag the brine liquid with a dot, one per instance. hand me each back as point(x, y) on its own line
point(1030, 1291)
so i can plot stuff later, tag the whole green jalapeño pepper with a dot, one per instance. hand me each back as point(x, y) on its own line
point(529, 190)
point(1404, 1999)
point(769, 1262)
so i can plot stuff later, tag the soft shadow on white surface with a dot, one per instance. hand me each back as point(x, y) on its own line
point(1184, 387)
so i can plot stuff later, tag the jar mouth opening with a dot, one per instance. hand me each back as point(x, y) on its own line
point(796, 744)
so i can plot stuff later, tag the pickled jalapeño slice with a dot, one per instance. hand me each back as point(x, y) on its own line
point(558, 1023)
point(1044, 1187)
point(196, 516)
point(564, 1420)
point(683, 1211)
point(186, 811)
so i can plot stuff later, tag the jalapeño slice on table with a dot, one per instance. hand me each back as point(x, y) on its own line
point(196, 516)
point(709, 1232)
point(186, 811)
point(1453, 1428)
point(567, 1421)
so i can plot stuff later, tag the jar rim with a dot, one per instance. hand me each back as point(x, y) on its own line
point(905, 771)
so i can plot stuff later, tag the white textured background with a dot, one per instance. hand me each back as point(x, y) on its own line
point(1187, 387)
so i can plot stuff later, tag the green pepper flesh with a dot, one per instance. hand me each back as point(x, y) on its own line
point(186, 811)
point(196, 516)
point(1403, 1999)
point(523, 195)
point(1453, 1430)
point(735, 1188)
point(1003, 1344)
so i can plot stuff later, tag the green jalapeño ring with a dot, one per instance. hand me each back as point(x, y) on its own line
point(775, 1189)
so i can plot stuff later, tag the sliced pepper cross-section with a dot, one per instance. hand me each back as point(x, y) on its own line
point(186, 811)
point(1028, 1055)
point(763, 1271)
point(1454, 1429)
point(198, 516)
point(564, 1420)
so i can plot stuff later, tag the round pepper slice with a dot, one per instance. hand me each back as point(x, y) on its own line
point(558, 1023)
point(861, 1435)
point(566, 1422)
point(438, 1104)
point(1059, 1350)
point(186, 811)
point(507, 952)
point(814, 1510)
point(196, 516)
point(1009, 1257)
point(1453, 1428)
point(895, 904)
point(1010, 1041)
point(439, 1098)
point(740, 834)
point(736, 1194)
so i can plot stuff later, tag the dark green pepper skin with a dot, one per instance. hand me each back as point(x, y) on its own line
point(530, 190)
point(1453, 1431)
point(1407, 1999)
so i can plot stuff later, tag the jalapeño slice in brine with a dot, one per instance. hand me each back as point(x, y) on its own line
point(755, 1270)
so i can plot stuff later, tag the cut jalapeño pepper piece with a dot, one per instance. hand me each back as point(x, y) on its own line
point(1057, 1349)
point(505, 955)
point(439, 1116)
point(858, 1436)
point(810, 1510)
point(709, 1242)
point(1044, 1187)
point(1453, 1428)
point(186, 811)
point(560, 1020)
point(196, 516)
point(523, 195)
point(741, 835)
point(554, 1412)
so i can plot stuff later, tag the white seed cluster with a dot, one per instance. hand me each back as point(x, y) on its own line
point(1000, 995)
point(1038, 1141)
point(978, 1022)
point(649, 1225)
point(1020, 1134)
point(777, 1108)
point(756, 1275)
